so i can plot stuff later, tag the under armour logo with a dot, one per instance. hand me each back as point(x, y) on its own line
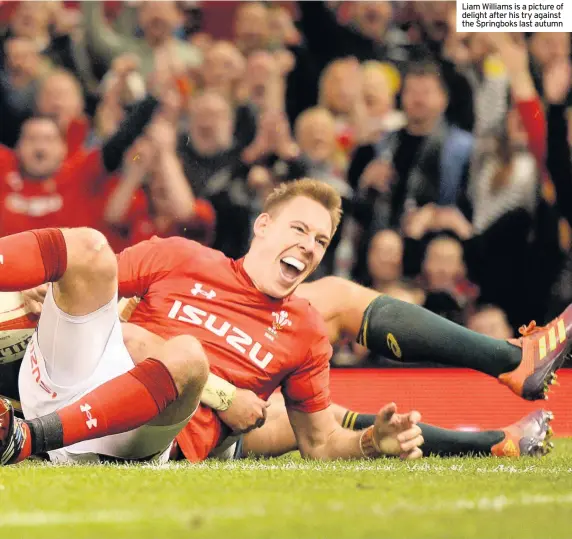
point(91, 421)
point(198, 289)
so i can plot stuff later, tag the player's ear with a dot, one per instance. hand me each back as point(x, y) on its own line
point(261, 225)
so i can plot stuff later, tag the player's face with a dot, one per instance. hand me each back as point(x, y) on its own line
point(290, 245)
point(41, 148)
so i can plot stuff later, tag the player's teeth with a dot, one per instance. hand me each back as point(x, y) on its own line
point(294, 262)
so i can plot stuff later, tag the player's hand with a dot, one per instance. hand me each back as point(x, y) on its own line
point(246, 412)
point(34, 299)
point(398, 435)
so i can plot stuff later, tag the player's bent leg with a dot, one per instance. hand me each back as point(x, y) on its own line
point(118, 406)
point(340, 302)
point(188, 364)
point(90, 279)
point(185, 358)
point(410, 333)
point(399, 330)
point(79, 312)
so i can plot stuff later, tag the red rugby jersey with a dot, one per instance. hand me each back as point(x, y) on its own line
point(253, 341)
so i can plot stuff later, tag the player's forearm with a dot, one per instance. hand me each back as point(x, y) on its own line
point(340, 444)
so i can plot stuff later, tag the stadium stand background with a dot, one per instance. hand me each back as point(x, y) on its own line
point(456, 197)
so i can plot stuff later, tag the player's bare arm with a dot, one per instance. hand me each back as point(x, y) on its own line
point(320, 436)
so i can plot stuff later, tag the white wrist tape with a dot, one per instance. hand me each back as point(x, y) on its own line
point(218, 393)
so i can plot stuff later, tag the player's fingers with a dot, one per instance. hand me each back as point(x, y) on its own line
point(388, 411)
point(410, 445)
point(409, 434)
point(412, 455)
point(33, 307)
point(414, 417)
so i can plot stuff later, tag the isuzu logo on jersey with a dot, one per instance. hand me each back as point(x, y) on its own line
point(235, 337)
point(198, 289)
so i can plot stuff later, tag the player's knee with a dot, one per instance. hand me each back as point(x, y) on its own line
point(89, 253)
point(186, 361)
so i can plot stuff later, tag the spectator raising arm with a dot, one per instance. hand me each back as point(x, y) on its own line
point(175, 188)
point(514, 56)
point(136, 168)
point(557, 82)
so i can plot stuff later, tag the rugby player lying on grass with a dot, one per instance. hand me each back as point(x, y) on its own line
point(265, 430)
point(524, 365)
point(84, 397)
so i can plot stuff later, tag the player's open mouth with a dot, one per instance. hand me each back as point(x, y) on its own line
point(291, 268)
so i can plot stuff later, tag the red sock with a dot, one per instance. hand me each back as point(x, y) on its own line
point(124, 403)
point(32, 258)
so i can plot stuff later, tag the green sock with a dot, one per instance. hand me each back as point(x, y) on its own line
point(453, 443)
point(438, 442)
point(396, 329)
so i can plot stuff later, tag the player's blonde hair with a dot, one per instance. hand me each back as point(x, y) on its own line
point(315, 190)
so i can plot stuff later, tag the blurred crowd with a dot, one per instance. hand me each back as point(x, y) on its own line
point(451, 150)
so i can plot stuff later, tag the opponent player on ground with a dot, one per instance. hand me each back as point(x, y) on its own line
point(240, 410)
point(185, 288)
point(525, 365)
point(382, 323)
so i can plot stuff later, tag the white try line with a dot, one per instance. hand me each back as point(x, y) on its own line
point(505, 466)
point(33, 519)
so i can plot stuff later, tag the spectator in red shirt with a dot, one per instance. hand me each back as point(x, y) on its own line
point(40, 188)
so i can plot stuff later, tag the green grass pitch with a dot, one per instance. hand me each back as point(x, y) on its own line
point(291, 498)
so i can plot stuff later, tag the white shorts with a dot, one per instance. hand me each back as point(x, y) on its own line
point(59, 342)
